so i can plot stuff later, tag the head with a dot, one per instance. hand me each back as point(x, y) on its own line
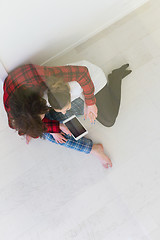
point(26, 108)
point(64, 109)
point(59, 94)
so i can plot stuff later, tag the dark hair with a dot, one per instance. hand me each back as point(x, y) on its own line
point(58, 92)
point(26, 105)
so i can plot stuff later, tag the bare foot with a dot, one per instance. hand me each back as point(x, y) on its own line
point(98, 151)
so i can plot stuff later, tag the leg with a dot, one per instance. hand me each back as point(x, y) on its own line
point(77, 108)
point(98, 151)
point(84, 145)
point(108, 99)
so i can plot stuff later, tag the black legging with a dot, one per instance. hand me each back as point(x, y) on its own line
point(108, 98)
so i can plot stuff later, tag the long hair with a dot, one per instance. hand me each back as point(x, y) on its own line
point(58, 92)
point(26, 106)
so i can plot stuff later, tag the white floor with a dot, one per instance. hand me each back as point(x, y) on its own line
point(49, 192)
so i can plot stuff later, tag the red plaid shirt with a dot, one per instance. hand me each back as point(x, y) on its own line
point(33, 75)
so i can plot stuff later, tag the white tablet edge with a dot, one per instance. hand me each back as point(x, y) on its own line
point(83, 134)
point(68, 119)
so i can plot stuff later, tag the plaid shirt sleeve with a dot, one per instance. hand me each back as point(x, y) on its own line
point(52, 125)
point(71, 73)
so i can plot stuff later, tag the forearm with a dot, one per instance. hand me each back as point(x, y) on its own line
point(88, 87)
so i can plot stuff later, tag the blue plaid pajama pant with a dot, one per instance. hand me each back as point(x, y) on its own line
point(77, 108)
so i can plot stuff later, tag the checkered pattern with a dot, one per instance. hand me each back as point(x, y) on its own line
point(82, 145)
point(33, 75)
point(77, 108)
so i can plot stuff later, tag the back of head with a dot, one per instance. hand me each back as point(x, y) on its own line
point(58, 92)
point(26, 105)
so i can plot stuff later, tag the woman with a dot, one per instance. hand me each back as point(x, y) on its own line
point(28, 110)
point(105, 102)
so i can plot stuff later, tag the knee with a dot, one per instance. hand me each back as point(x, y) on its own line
point(109, 124)
point(106, 123)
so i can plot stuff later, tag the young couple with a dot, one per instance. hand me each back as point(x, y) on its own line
point(38, 99)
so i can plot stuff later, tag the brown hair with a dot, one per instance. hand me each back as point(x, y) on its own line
point(26, 106)
point(58, 92)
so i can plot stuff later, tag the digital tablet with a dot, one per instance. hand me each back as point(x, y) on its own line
point(75, 127)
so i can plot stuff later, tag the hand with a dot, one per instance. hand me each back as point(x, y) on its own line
point(65, 129)
point(28, 139)
point(90, 112)
point(59, 138)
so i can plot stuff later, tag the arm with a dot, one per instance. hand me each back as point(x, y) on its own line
point(90, 108)
point(84, 79)
point(60, 137)
point(87, 85)
point(79, 74)
point(52, 127)
point(69, 73)
point(90, 112)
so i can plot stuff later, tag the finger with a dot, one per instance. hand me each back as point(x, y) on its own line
point(63, 139)
point(95, 114)
point(69, 133)
point(85, 116)
point(91, 117)
point(63, 134)
point(60, 140)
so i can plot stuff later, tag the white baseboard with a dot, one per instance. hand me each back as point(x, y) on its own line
point(130, 7)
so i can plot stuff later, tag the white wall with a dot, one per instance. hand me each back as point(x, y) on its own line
point(36, 30)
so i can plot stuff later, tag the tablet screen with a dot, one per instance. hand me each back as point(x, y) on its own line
point(75, 127)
